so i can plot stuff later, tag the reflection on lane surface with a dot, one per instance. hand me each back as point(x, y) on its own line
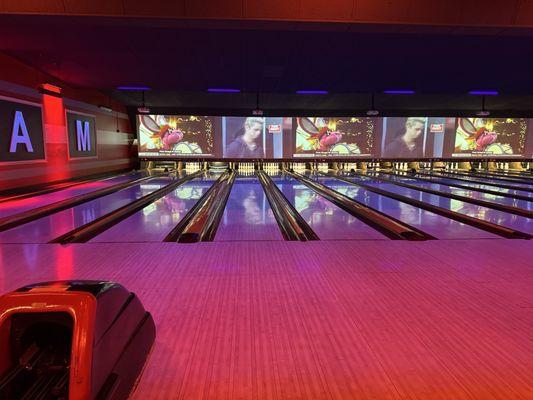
point(436, 225)
point(15, 207)
point(498, 217)
point(486, 181)
point(526, 205)
point(248, 215)
point(471, 184)
point(156, 220)
point(327, 220)
point(52, 226)
point(474, 185)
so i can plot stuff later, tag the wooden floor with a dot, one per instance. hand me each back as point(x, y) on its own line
point(323, 320)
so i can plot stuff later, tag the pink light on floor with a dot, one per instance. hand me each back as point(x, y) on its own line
point(2, 271)
point(64, 262)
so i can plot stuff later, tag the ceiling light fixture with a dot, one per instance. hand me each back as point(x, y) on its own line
point(372, 112)
point(105, 108)
point(312, 92)
point(143, 109)
point(133, 88)
point(52, 90)
point(399, 91)
point(223, 90)
point(483, 112)
point(257, 111)
point(484, 92)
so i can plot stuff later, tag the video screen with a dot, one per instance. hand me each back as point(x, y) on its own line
point(254, 137)
point(176, 135)
point(482, 137)
point(415, 137)
point(333, 136)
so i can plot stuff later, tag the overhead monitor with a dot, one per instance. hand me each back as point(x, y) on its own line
point(254, 137)
point(415, 137)
point(490, 137)
point(342, 137)
point(176, 135)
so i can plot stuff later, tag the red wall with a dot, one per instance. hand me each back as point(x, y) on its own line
point(114, 149)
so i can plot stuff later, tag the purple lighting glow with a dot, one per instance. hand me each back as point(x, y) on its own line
point(399, 91)
point(484, 92)
point(223, 90)
point(134, 88)
point(312, 92)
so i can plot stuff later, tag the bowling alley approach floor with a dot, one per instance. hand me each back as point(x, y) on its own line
point(448, 319)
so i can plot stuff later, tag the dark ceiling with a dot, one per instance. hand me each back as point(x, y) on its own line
point(180, 60)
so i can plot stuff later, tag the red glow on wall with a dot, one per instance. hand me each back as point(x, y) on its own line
point(56, 132)
point(54, 111)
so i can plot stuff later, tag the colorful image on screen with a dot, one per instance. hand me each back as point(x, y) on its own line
point(175, 135)
point(504, 137)
point(333, 136)
point(414, 137)
point(254, 137)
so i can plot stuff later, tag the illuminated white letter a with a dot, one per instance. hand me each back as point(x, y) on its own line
point(19, 126)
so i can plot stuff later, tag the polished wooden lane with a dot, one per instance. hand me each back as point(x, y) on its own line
point(449, 319)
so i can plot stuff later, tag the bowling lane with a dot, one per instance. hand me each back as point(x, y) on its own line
point(156, 220)
point(474, 185)
point(52, 226)
point(498, 217)
point(509, 174)
point(526, 205)
point(248, 215)
point(327, 220)
point(18, 206)
point(485, 180)
point(436, 225)
point(514, 178)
